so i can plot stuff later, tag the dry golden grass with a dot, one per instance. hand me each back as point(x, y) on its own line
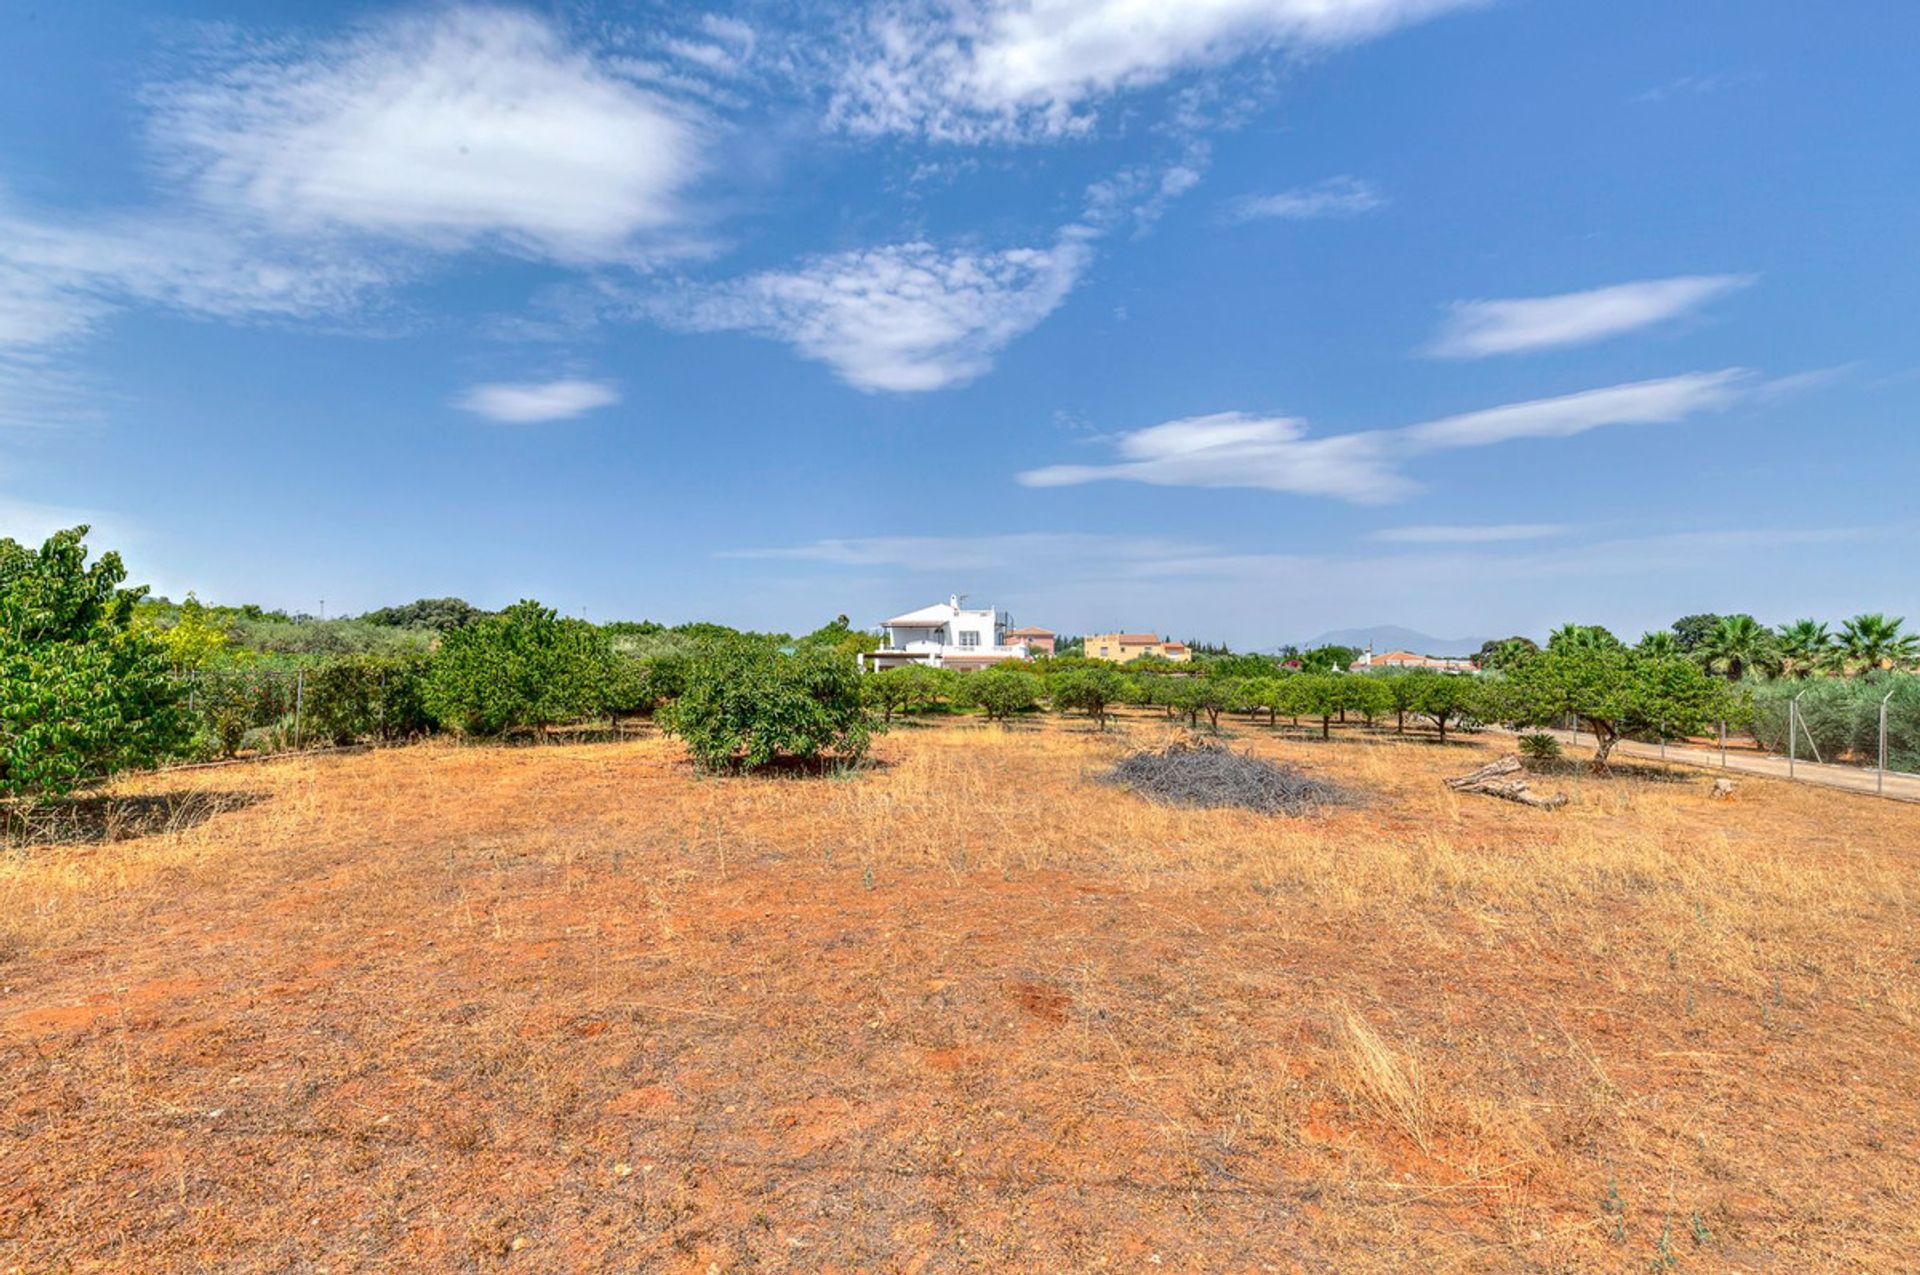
point(572, 1007)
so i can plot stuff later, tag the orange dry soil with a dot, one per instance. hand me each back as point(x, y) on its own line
point(575, 1008)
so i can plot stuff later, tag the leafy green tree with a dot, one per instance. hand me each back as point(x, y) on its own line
point(1691, 630)
point(195, 639)
point(1873, 641)
point(1239, 666)
point(1001, 691)
point(1501, 653)
point(747, 703)
point(1329, 659)
point(1320, 695)
point(83, 694)
point(441, 615)
point(1736, 646)
point(524, 668)
point(1616, 691)
point(365, 697)
point(1369, 696)
point(841, 636)
point(1400, 688)
point(1806, 647)
point(1090, 690)
point(1442, 698)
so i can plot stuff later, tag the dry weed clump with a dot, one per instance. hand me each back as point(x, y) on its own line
point(576, 1007)
point(1201, 773)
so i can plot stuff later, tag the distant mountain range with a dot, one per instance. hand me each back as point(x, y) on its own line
point(1393, 637)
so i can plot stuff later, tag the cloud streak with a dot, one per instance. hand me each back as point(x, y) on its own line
point(1481, 329)
point(1010, 70)
point(524, 403)
point(1236, 449)
point(1334, 197)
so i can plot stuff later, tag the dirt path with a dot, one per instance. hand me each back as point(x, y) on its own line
point(1897, 786)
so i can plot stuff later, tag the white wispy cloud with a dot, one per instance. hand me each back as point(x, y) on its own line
point(904, 317)
point(447, 127)
point(1235, 449)
point(1478, 329)
point(1492, 533)
point(525, 402)
point(1695, 85)
point(1659, 402)
point(1334, 197)
point(973, 70)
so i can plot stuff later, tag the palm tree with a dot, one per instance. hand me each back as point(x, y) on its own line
point(1583, 637)
point(1737, 644)
point(1873, 641)
point(1661, 644)
point(1806, 648)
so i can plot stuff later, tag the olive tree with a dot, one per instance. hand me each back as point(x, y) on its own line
point(83, 693)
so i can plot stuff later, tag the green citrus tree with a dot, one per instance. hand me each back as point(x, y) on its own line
point(521, 669)
point(83, 694)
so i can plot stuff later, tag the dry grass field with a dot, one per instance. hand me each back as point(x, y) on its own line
point(574, 1008)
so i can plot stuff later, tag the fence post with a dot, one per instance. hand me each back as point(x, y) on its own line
point(1793, 732)
point(1880, 780)
point(299, 697)
point(1723, 743)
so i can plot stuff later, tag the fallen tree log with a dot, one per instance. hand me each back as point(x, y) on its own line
point(1493, 780)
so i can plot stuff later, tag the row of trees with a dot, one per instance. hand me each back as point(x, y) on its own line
point(1739, 646)
point(89, 683)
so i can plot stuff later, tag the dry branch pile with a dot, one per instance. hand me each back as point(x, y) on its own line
point(1198, 773)
point(1492, 780)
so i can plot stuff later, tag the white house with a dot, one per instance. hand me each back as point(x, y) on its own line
point(946, 635)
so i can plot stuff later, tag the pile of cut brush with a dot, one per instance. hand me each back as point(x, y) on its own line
point(1190, 772)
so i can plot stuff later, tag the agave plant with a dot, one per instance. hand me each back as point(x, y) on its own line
point(1738, 644)
point(1806, 647)
point(1875, 642)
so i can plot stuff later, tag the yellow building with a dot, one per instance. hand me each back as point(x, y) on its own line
point(1125, 648)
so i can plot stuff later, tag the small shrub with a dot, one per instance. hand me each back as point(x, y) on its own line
point(1539, 746)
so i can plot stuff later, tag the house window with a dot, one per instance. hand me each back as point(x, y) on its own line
point(969, 638)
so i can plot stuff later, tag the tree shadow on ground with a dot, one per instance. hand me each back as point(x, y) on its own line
point(799, 768)
point(1617, 768)
point(98, 819)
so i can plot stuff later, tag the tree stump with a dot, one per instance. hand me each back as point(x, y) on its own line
point(1496, 779)
point(1722, 790)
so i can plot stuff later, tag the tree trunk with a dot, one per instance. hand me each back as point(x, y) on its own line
point(1499, 779)
point(1326, 726)
point(1607, 738)
point(1399, 721)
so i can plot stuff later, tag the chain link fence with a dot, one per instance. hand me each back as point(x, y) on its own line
point(244, 710)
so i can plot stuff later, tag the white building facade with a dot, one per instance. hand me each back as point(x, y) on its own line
point(946, 635)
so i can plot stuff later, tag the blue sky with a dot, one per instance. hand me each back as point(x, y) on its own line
point(1235, 319)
